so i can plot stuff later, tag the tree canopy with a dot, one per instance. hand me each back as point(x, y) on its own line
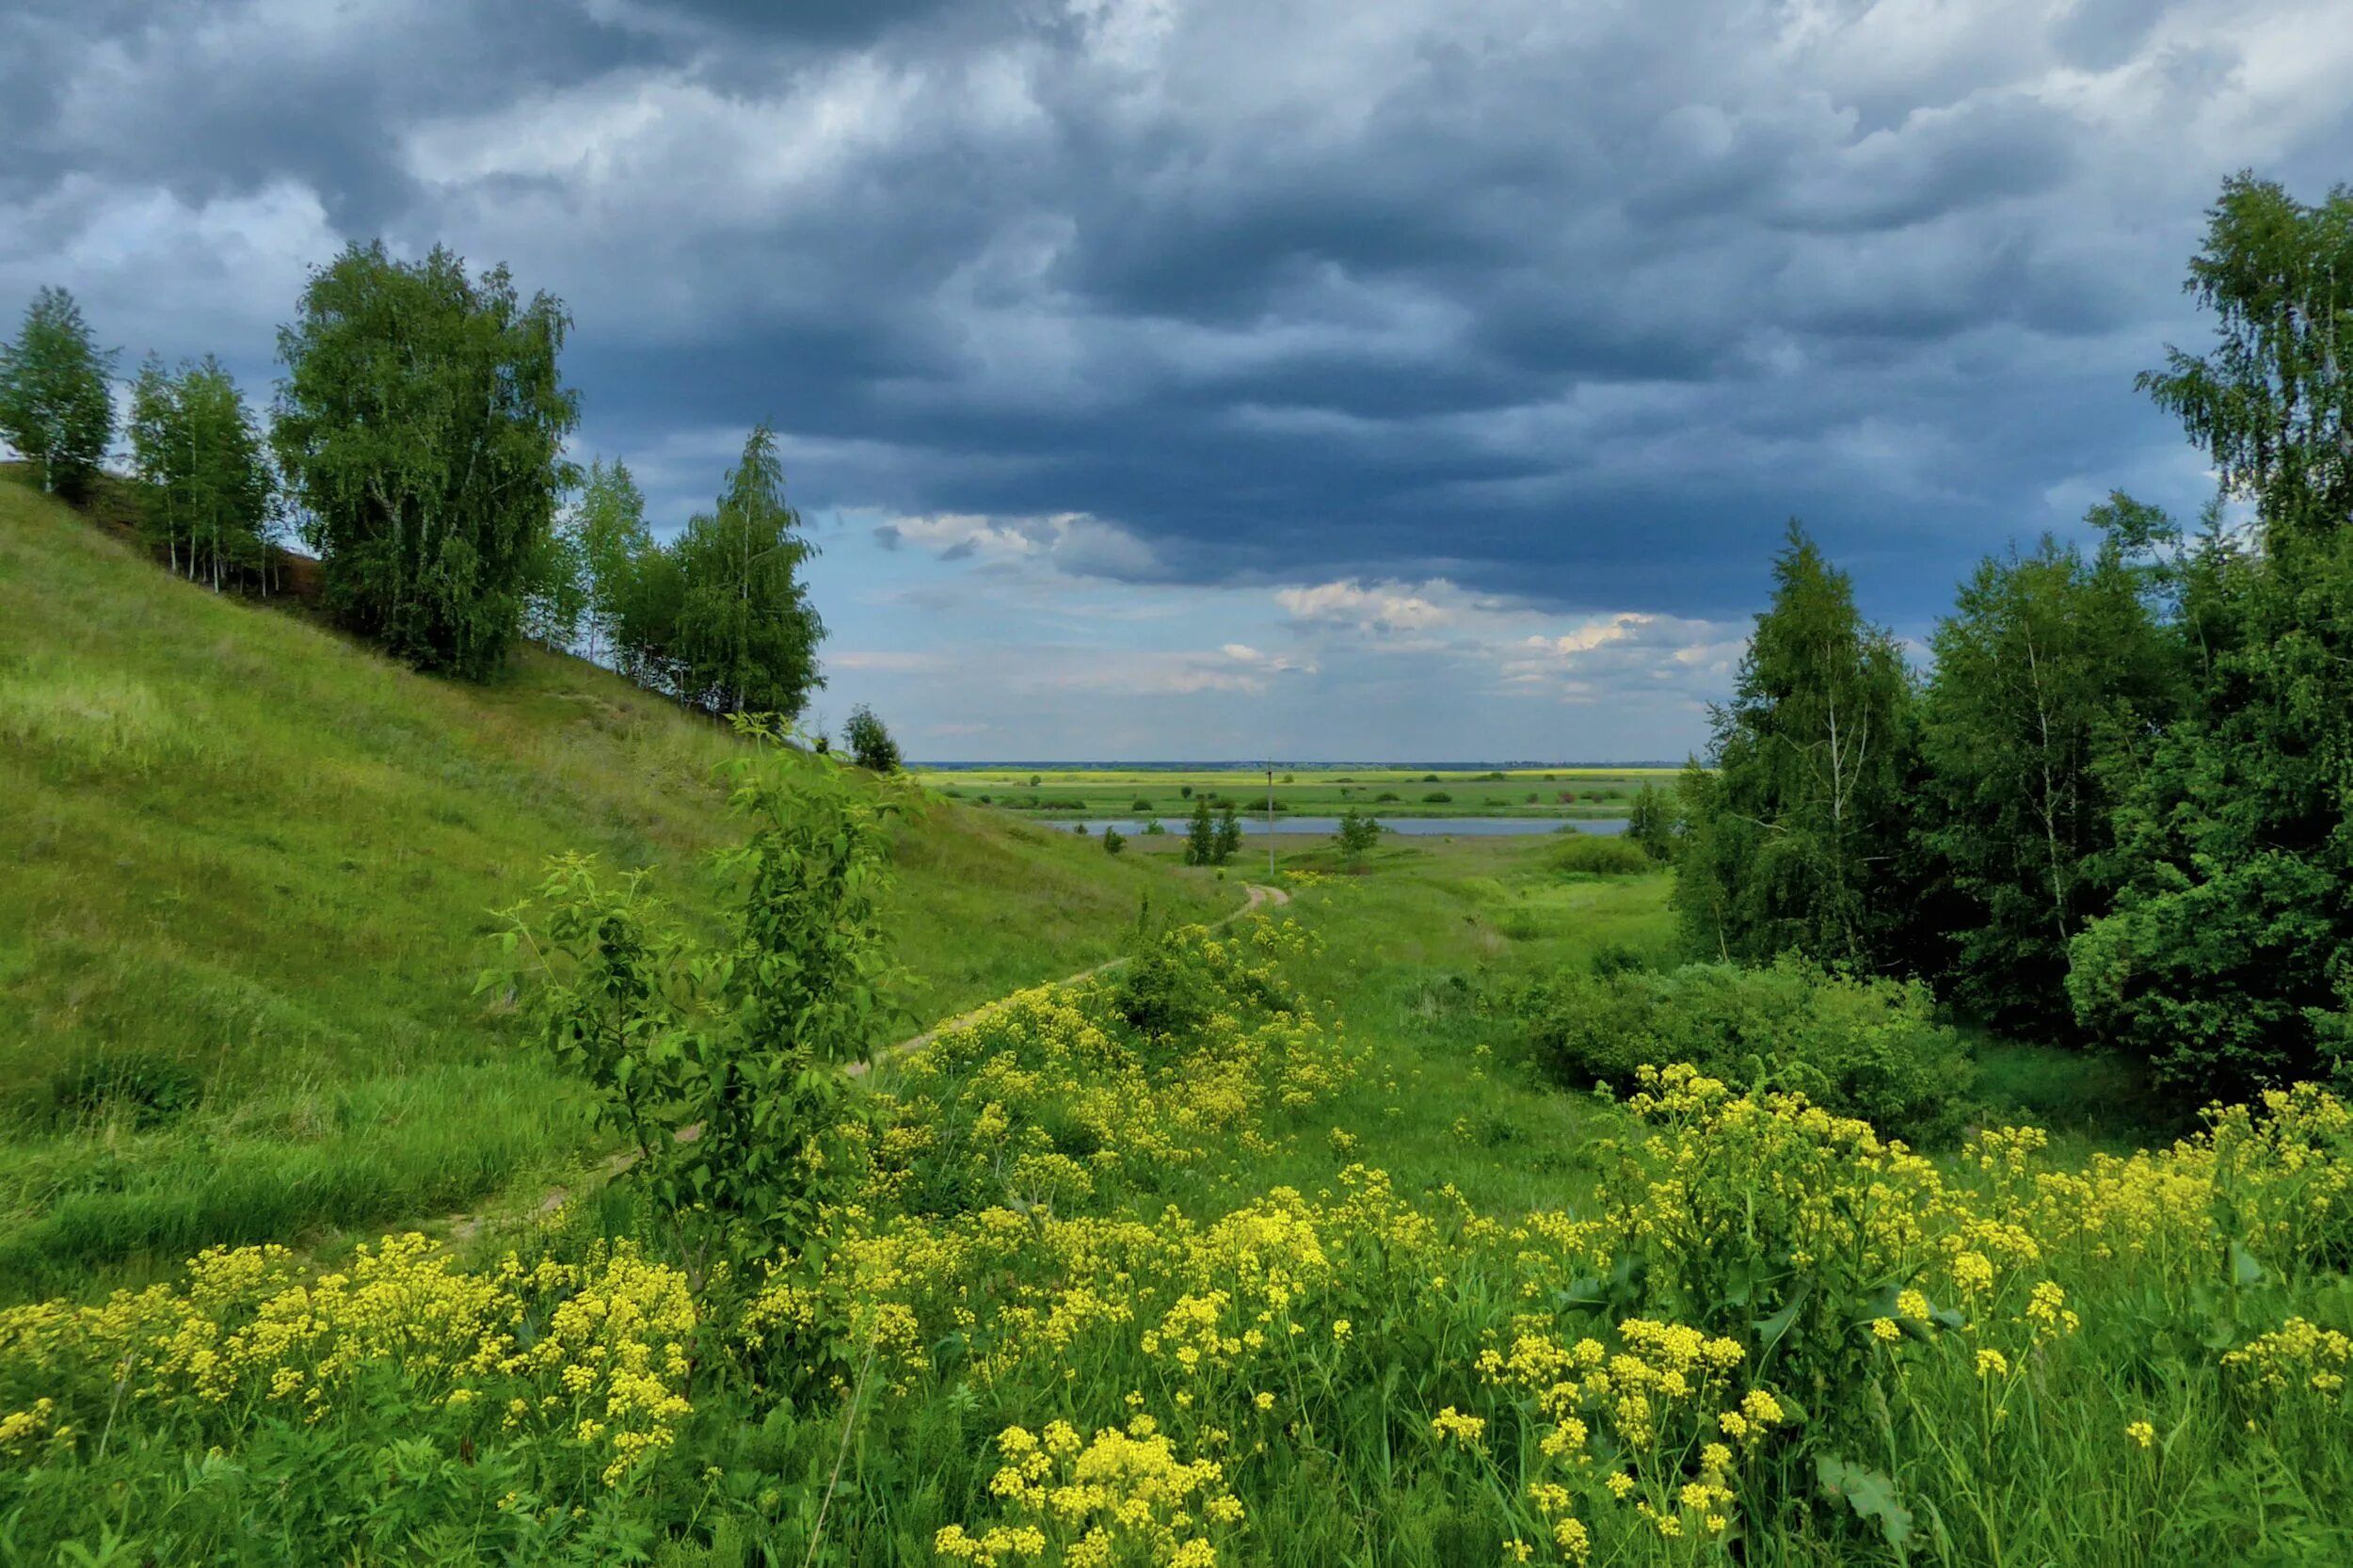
point(56, 407)
point(211, 495)
point(720, 616)
point(1793, 829)
point(420, 423)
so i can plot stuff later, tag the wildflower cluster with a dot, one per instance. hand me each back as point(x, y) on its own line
point(591, 1358)
point(1122, 1497)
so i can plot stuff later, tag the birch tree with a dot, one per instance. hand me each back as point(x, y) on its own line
point(1792, 829)
point(210, 498)
point(56, 407)
point(2049, 673)
point(421, 424)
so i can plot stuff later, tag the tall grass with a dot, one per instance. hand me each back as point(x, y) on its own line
point(242, 845)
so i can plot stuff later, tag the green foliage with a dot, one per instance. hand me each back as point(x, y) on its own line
point(2050, 675)
point(2226, 961)
point(1200, 836)
point(609, 525)
point(1359, 831)
point(1114, 841)
point(1651, 822)
point(55, 404)
point(421, 424)
point(1597, 855)
point(1862, 1046)
point(1227, 840)
point(721, 1066)
point(870, 745)
point(558, 592)
point(720, 617)
point(2272, 405)
point(143, 1088)
point(211, 495)
point(1791, 835)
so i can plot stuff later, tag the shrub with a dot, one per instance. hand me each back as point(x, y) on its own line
point(1140, 806)
point(1114, 839)
point(736, 1041)
point(1595, 855)
point(1437, 797)
point(871, 744)
point(1358, 833)
point(1386, 795)
point(1430, 778)
point(1866, 1048)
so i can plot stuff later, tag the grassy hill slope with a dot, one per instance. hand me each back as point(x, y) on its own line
point(246, 865)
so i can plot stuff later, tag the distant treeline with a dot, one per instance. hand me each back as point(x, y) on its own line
point(416, 444)
point(2118, 805)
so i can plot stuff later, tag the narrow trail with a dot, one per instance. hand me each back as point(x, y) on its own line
point(464, 1227)
point(1260, 897)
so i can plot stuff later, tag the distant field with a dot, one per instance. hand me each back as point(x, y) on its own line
point(1560, 792)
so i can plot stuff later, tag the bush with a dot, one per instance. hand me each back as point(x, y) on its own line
point(1141, 806)
point(1865, 1048)
point(1595, 855)
point(1114, 839)
point(869, 744)
point(1386, 795)
point(1437, 797)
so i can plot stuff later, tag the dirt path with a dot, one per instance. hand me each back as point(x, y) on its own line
point(1260, 897)
point(463, 1227)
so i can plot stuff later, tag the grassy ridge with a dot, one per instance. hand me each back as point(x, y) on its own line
point(251, 865)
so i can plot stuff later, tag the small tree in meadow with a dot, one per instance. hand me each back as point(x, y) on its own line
point(719, 1064)
point(1200, 836)
point(869, 744)
point(1228, 841)
point(1114, 841)
point(1358, 834)
point(1650, 821)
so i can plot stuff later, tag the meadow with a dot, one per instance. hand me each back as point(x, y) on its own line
point(1169, 793)
point(1277, 1242)
point(1320, 1272)
point(250, 868)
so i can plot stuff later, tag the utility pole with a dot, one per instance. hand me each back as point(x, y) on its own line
point(1270, 822)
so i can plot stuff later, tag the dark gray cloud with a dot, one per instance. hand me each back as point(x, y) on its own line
point(1578, 303)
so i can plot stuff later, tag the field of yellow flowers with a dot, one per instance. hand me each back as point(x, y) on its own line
point(1061, 1323)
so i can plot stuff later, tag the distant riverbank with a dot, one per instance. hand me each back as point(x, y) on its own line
point(1409, 827)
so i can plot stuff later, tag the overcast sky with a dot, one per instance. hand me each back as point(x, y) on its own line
point(1369, 378)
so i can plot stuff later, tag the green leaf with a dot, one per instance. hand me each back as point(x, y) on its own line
point(1871, 1495)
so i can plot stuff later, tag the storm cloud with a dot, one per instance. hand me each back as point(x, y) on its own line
point(1564, 307)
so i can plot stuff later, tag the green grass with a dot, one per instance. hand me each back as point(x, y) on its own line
point(253, 857)
point(1138, 792)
